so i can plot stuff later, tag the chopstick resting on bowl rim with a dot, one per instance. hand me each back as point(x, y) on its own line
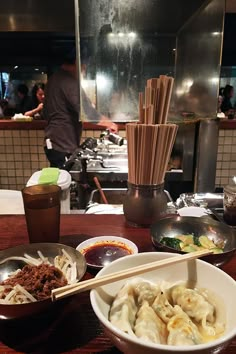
point(72, 289)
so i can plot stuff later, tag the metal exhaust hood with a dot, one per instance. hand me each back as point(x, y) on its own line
point(37, 15)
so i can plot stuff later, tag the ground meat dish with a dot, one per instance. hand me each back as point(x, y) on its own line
point(39, 281)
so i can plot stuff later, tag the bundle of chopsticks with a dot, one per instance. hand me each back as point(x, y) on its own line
point(150, 141)
point(155, 102)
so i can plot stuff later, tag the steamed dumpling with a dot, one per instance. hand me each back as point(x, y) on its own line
point(218, 327)
point(145, 291)
point(195, 306)
point(149, 326)
point(163, 315)
point(182, 331)
point(123, 310)
point(193, 303)
point(162, 307)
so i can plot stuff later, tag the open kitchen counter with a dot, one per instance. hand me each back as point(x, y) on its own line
point(22, 149)
point(8, 124)
point(228, 124)
point(21, 153)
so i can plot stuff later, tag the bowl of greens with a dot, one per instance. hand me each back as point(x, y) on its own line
point(190, 234)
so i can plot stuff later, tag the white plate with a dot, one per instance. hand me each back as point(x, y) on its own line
point(11, 202)
point(105, 209)
point(105, 249)
point(192, 211)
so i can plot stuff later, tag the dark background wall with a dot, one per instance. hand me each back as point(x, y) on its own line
point(229, 45)
point(35, 48)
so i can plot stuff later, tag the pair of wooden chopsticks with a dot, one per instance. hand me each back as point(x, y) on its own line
point(110, 278)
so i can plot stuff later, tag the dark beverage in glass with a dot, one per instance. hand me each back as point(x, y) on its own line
point(230, 205)
point(230, 216)
point(42, 212)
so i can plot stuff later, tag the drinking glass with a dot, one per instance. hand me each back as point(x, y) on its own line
point(42, 212)
point(230, 205)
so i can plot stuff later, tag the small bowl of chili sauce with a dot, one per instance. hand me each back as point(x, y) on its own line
point(102, 250)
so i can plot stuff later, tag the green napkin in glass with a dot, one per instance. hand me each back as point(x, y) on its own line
point(49, 175)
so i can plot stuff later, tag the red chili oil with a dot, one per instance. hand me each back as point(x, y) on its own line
point(102, 253)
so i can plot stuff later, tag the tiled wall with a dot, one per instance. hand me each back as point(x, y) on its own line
point(226, 157)
point(21, 154)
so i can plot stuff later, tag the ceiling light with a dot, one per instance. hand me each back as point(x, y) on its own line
point(103, 82)
point(132, 34)
point(214, 80)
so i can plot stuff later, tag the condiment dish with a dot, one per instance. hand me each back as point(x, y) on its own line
point(102, 250)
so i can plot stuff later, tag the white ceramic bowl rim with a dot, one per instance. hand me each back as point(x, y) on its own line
point(188, 348)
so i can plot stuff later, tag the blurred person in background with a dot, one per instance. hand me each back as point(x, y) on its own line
point(219, 103)
point(37, 99)
point(62, 112)
point(24, 103)
point(5, 109)
point(220, 99)
point(1, 108)
point(226, 105)
point(221, 91)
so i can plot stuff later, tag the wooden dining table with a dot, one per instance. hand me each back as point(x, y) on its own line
point(71, 326)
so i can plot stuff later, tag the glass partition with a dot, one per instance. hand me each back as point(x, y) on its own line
point(123, 43)
point(199, 46)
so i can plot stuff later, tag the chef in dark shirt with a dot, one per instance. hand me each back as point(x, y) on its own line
point(25, 103)
point(62, 112)
point(226, 105)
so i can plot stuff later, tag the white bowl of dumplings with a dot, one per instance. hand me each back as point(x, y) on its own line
point(186, 307)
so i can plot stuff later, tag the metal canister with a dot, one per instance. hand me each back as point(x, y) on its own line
point(116, 139)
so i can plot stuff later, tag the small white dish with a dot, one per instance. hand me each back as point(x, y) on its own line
point(105, 209)
point(102, 250)
point(193, 211)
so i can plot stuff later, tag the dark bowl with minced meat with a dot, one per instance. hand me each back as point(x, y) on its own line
point(171, 227)
point(49, 250)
